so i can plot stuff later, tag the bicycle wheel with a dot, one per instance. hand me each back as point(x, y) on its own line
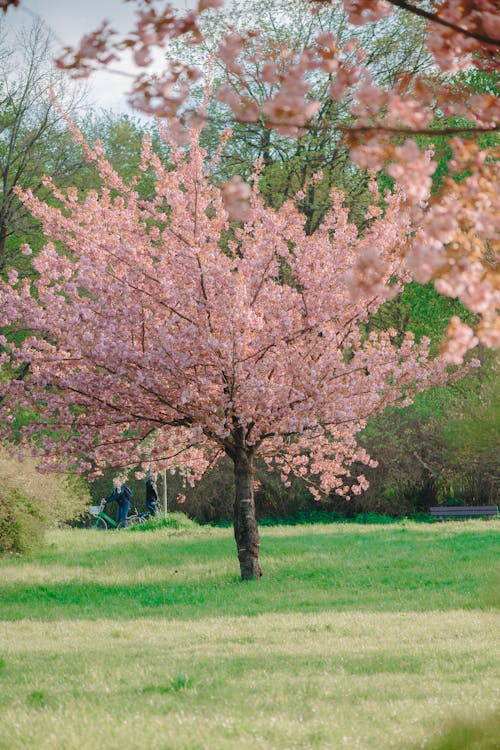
point(131, 521)
point(100, 525)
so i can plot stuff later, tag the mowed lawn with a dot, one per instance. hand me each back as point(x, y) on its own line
point(356, 637)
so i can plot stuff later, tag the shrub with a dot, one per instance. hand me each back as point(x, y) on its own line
point(21, 523)
point(30, 501)
point(172, 521)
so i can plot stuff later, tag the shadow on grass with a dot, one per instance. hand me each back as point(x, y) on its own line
point(479, 734)
point(138, 549)
point(391, 569)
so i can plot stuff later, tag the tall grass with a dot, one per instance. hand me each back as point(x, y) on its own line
point(357, 637)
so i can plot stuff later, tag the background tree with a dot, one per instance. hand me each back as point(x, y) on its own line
point(290, 162)
point(159, 341)
point(33, 138)
point(441, 449)
point(121, 136)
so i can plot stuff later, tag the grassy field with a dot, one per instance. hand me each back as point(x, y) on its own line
point(357, 637)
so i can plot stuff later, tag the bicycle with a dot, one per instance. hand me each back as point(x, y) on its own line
point(103, 521)
point(136, 519)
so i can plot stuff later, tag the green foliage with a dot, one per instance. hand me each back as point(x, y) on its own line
point(173, 520)
point(177, 684)
point(470, 435)
point(37, 699)
point(478, 81)
point(374, 518)
point(272, 498)
point(122, 136)
point(304, 518)
point(288, 164)
point(444, 447)
point(34, 138)
point(475, 428)
point(30, 502)
point(21, 523)
point(419, 308)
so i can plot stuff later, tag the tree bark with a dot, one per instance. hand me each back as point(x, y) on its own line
point(3, 240)
point(245, 523)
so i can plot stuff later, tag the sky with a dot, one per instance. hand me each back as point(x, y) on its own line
point(69, 20)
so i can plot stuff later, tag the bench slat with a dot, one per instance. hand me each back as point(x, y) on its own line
point(466, 513)
point(461, 512)
point(493, 508)
point(464, 510)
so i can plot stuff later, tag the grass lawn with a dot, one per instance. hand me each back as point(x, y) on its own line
point(366, 637)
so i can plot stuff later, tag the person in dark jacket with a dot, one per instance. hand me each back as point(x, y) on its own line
point(122, 495)
point(151, 496)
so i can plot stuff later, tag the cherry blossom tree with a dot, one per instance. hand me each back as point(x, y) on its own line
point(161, 333)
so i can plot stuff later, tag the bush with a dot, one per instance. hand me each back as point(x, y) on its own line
point(441, 449)
point(30, 501)
point(172, 521)
point(21, 523)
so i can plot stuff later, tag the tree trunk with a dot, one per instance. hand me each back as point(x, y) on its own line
point(245, 522)
point(3, 240)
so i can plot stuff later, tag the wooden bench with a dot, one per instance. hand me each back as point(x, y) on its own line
point(463, 511)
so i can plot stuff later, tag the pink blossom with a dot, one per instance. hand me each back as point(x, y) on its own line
point(412, 170)
point(288, 111)
point(236, 195)
point(243, 108)
point(204, 4)
point(408, 112)
point(491, 24)
point(366, 11)
point(142, 56)
point(460, 338)
point(229, 51)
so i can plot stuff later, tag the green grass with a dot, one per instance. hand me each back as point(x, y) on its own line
point(356, 637)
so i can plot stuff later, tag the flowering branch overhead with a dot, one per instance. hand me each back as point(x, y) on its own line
point(451, 247)
point(5, 4)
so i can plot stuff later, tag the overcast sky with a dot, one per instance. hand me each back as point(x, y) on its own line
point(69, 20)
